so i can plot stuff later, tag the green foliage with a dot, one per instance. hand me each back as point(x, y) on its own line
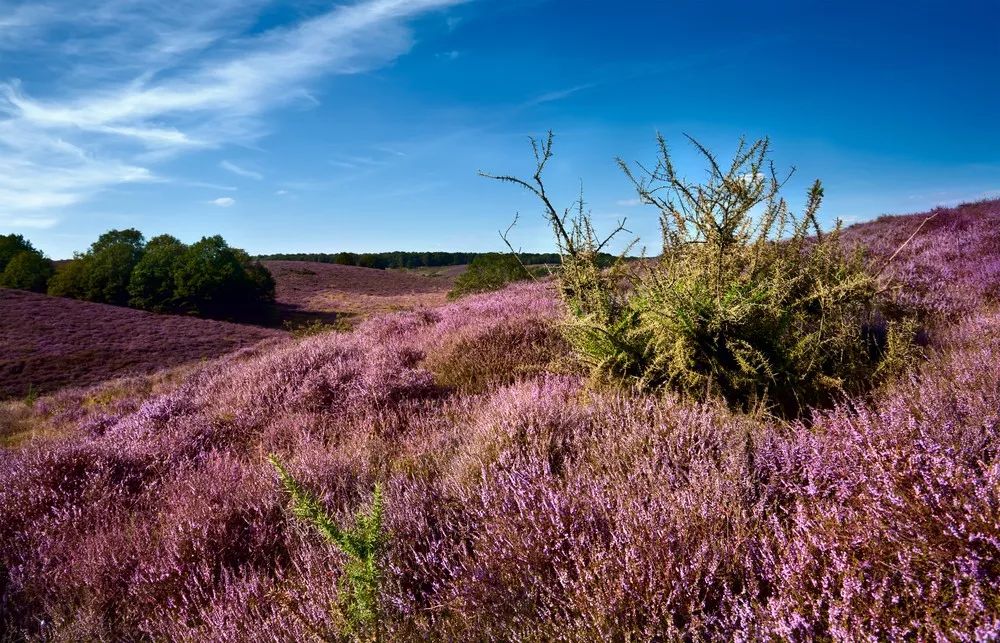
point(208, 278)
point(362, 543)
point(27, 270)
point(152, 286)
point(70, 279)
point(313, 327)
point(490, 271)
point(12, 245)
point(109, 264)
point(215, 280)
point(31, 397)
point(22, 266)
point(747, 301)
point(401, 259)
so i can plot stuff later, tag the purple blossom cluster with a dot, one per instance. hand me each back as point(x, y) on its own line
point(540, 508)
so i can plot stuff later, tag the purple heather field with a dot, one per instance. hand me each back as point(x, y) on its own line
point(51, 342)
point(522, 502)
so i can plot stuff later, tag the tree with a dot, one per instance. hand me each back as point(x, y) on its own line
point(215, 280)
point(12, 245)
point(109, 264)
point(27, 270)
point(70, 279)
point(153, 285)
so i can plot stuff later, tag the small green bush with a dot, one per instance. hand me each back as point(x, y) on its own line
point(746, 301)
point(363, 544)
point(314, 327)
point(490, 271)
point(32, 396)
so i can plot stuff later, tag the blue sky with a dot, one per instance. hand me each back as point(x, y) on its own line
point(320, 126)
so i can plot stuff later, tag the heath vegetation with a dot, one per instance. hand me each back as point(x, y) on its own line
point(47, 343)
point(770, 431)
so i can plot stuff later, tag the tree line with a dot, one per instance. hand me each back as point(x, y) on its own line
point(22, 266)
point(403, 259)
point(208, 278)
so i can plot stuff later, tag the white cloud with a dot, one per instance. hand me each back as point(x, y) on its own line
point(148, 81)
point(281, 192)
point(629, 203)
point(448, 55)
point(32, 223)
point(224, 202)
point(347, 39)
point(42, 172)
point(240, 171)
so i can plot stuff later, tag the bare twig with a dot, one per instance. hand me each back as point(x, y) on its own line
point(905, 243)
point(517, 253)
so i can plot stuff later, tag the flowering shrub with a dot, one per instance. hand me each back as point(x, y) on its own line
point(746, 301)
point(535, 509)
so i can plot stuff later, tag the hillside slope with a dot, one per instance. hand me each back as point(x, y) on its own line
point(531, 506)
point(50, 342)
point(952, 266)
point(307, 289)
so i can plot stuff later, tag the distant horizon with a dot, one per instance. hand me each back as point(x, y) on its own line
point(271, 256)
point(361, 125)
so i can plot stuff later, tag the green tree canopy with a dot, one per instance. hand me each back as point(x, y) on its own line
point(152, 285)
point(109, 263)
point(208, 278)
point(12, 245)
point(70, 279)
point(27, 270)
point(214, 280)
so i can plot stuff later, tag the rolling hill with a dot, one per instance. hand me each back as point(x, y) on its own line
point(51, 342)
point(534, 505)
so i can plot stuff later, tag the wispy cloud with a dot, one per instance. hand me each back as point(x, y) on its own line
point(240, 171)
point(35, 223)
point(559, 94)
point(40, 174)
point(209, 186)
point(165, 81)
point(224, 202)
